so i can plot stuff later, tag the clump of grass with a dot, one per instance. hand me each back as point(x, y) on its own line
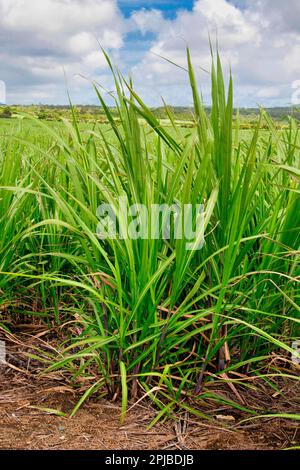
point(154, 317)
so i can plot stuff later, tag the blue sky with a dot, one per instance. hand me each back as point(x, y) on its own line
point(137, 42)
point(43, 42)
point(168, 7)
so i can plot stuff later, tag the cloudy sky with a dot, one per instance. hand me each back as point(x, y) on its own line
point(47, 46)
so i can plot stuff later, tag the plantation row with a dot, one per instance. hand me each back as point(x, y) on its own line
point(144, 313)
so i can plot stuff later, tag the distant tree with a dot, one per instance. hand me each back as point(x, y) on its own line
point(42, 114)
point(6, 113)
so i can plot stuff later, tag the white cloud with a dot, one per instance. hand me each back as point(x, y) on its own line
point(261, 42)
point(95, 60)
point(148, 20)
point(81, 43)
point(53, 16)
point(41, 38)
point(268, 92)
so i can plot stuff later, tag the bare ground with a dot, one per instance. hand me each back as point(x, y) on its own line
point(24, 423)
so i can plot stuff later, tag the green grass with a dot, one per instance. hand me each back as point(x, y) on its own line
point(154, 318)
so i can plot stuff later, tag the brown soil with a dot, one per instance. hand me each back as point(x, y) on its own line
point(97, 423)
